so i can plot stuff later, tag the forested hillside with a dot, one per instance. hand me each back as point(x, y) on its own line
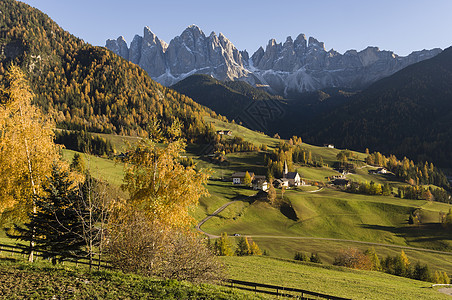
point(88, 87)
point(407, 114)
point(238, 101)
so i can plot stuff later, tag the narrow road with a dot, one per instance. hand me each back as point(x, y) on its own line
point(349, 241)
point(219, 210)
point(315, 191)
point(211, 236)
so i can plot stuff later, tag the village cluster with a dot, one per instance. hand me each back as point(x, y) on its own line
point(260, 182)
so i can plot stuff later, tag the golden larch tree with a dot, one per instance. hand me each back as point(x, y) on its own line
point(161, 186)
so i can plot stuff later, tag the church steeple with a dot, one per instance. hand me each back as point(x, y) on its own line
point(286, 168)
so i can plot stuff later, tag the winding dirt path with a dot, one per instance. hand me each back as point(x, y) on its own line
point(210, 216)
point(315, 191)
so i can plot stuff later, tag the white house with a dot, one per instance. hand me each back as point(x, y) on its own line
point(260, 183)
point(382, 171)
point(282, 182)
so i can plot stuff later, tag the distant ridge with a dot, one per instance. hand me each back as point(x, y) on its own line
point(407, 114)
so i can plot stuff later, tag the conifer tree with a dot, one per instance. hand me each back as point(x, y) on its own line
point(56, 226)
point(386, 191)
point(301, 256)
point(78, 164)
point(373, 257)
point(271, 194)
point(437, 277)
point(160, 185)
point(315, 258)
point(444, 278)
point(243, 247)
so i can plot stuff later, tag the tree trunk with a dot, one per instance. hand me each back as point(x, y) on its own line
point(30, 170)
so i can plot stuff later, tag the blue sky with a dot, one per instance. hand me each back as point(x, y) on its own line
point(398, 25)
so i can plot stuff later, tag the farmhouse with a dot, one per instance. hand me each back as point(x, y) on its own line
point(379, 171)
point(282, 182)
point(382, 171)
point(237, 177)
point(224, 132)
point(260, 183)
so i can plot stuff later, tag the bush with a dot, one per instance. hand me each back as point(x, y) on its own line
point(138, 246)
point(301, 256)
point(353, 258)
point(315, 258)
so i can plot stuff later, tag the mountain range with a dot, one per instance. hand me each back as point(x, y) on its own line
point(286, 69)
point(408, 113)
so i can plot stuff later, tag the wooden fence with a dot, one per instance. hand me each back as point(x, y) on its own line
point(239, 284)
point(279, 290)
point(21, 250)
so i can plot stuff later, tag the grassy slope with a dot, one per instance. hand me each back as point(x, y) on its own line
point(331, 280)
point(326, 213)
point(101, 168)
point(44, 281)
point(334, 214)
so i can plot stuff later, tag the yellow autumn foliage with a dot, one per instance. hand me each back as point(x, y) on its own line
point(27, 150)
point(161, 186)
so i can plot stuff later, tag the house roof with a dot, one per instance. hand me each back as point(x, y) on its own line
point(259, 180)
point(242, 174)
point(291, 175)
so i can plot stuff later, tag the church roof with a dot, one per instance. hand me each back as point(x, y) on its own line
point(291, 175)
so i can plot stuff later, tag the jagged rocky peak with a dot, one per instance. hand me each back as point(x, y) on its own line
point(294, 66)
point(135, 49)
point(300, 41)
point(257, 56)
point(152, 40)
point(245, 57)
point(314, 43)
point(152, 58)
point(288, 42)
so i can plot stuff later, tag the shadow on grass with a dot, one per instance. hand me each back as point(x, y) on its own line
point(429, 235)
point(10, 259)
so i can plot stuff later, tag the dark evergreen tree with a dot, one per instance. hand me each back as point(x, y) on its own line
point(301, 256)
point(243, 247)
point(315, 258)
point(56, 227)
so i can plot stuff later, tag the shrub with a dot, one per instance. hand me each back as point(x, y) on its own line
point(353, 258)
point(138, 246)
point(301, 256)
